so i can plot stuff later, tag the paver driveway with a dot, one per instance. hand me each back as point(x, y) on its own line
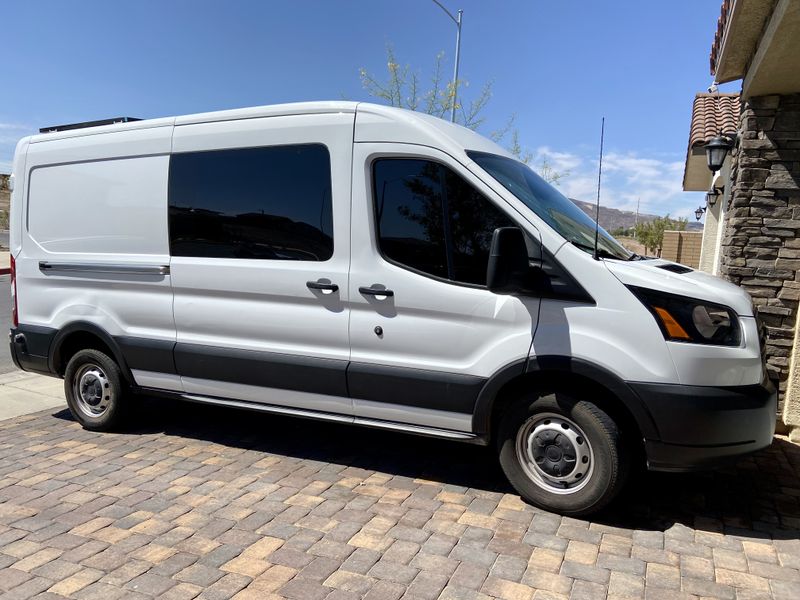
point(198, 501)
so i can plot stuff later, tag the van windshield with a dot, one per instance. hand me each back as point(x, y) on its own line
point(555, 209)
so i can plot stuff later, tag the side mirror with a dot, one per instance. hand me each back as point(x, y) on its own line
point(509, 269)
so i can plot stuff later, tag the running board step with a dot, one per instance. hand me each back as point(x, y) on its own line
point(323, 416)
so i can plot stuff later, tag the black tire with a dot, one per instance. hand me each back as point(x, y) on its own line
point(609, 458)
point(115, 393)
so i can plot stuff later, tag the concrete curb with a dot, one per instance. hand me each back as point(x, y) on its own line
point(23, 393)
point(16, 375)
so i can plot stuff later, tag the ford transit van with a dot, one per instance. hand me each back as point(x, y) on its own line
point(369, 265)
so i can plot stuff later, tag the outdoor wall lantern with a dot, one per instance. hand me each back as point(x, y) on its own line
point(698, 214)
point(716, 151)
point(712, 194)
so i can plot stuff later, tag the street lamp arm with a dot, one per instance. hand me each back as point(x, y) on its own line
point(447, 12)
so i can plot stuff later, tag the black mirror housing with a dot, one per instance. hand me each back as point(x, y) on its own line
point(509, 269)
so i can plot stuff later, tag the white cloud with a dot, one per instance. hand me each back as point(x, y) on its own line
point(654, 181)
point(560, 161)
point(10, 126)
point(13, 130)
point(581, 186)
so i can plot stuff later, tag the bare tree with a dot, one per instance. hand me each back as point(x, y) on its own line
point(402, 87)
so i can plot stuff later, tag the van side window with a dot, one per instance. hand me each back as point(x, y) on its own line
point(408, 195)
point(473, 220)
point(431, 220)
point(269, 203)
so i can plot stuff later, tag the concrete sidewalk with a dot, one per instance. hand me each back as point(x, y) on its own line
point(23, 393)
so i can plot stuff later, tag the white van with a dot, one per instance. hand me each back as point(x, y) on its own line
point(369, 265)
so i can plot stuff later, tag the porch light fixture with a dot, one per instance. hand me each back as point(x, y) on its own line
point(712, 194)
point(716, 151)
point(698, 214)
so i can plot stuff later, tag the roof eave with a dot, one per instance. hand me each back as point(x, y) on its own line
point(696, 176)
point(741, 35)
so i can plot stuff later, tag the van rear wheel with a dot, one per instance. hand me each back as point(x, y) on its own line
point(561, 453)
point(95, 391)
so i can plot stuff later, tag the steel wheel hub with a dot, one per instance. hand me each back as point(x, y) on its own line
point(92, 390)
point(555, 453)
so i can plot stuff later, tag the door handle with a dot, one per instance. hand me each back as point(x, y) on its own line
point(322, 286)
point(373, 291)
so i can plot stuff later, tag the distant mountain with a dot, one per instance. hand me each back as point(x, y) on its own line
point(613, 218)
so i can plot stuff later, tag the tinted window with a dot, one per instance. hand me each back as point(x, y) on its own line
point(433, 221)
point(409, 209)
point(473, 220)
point(550, 205)
point(258, 203)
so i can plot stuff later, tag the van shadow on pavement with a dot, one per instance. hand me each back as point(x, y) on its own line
point(756, 498)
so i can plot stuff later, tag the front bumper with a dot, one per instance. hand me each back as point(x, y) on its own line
point(704, 426)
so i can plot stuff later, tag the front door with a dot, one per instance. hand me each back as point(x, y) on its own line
point(259, 213)
point(425, 332)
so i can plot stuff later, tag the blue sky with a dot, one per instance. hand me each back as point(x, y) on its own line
point(559, 66)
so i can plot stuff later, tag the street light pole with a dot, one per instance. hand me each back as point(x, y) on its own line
point(457, 21)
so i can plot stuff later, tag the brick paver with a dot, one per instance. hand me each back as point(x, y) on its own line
point(194, 501)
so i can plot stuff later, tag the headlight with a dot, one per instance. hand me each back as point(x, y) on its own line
point(684, 319)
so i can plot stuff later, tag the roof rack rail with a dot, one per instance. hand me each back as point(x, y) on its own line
point(88, 124)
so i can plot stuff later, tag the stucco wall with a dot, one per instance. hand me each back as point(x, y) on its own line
point(709, 250)
point(760, 246)
point(715, 222)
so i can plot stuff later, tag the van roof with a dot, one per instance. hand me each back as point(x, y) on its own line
point(400, 121)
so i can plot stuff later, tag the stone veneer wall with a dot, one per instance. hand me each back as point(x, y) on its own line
point(760, 246)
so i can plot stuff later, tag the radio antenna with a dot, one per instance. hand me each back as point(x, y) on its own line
point(599, 176)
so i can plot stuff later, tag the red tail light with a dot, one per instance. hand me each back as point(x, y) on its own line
point(14, 311)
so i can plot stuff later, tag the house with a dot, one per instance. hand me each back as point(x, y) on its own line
point(753, 209)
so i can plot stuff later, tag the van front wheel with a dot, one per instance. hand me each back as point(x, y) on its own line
point(95, 391)
point(562, 454)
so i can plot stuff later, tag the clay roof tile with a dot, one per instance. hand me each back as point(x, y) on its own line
point(712, 114)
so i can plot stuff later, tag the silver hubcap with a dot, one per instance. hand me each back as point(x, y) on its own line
point(554, 453)
point(92, 390)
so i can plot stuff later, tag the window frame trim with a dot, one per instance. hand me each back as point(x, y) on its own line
point(376, 222)
point(266, 260)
